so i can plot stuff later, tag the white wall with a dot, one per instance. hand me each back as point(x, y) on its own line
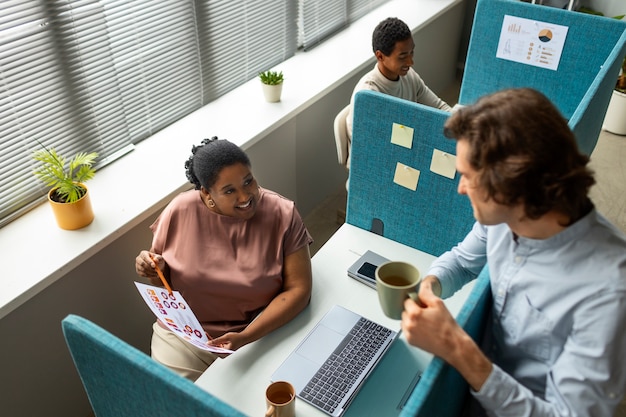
point(297, 159)
point(608, 7)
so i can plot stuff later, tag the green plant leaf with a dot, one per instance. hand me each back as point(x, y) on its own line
point(53, 172)
point(271, 77)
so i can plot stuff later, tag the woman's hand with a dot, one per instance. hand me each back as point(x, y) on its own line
point(146, 267)
point(230, 340)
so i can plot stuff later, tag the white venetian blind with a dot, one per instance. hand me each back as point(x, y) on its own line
point(100, 75)
point(56, 88)
point(319, 19)
point(359, 8)
point(154, 45)
point(239, 39)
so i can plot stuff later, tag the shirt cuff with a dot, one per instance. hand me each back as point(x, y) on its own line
point(496, 391)
point(445, 285)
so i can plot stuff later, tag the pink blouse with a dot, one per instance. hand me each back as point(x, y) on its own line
point(228, 269)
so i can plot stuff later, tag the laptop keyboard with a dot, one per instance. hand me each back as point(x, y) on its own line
point(330, 385)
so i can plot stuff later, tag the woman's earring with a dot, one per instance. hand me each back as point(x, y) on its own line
point(210, 203)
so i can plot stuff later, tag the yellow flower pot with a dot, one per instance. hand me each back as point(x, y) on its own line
point(72, 216)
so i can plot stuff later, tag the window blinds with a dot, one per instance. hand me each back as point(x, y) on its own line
point(239, 39)
point(55, 89)
point(359, 8)
point(319, 19)
point(154, 46)
point(100, 75)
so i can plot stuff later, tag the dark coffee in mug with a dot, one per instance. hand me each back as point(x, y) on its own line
point(279, 397)
point(397, 280)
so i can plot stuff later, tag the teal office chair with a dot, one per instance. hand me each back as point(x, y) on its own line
point(123, 381)
point(340, 130)
point(341, 136)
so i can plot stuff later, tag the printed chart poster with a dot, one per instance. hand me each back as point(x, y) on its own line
point(531, 42)
point(174, 312)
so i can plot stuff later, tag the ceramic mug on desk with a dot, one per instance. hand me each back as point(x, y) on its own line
point(280, 398)
point(395, 281)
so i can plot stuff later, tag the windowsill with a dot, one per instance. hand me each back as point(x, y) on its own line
point(36, 253)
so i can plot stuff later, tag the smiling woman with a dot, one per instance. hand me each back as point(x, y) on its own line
point(234, 249)
point(74, 269)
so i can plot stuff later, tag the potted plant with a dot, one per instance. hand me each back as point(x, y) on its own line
point(272, 83)
point(68, 197)
point(615, 119)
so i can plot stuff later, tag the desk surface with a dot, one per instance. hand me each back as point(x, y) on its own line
point(241, 379)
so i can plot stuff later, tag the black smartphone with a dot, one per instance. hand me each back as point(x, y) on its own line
point(368, 270)
point(364, 269)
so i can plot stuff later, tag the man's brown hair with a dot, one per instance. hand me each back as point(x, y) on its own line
point(524, 152)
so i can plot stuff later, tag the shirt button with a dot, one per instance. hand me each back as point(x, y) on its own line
point(518, 259)
point(500, 292)
point(612, 395)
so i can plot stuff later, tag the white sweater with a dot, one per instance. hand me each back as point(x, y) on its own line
point(409, 87)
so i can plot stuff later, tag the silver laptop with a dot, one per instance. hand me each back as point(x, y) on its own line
point(331, 364)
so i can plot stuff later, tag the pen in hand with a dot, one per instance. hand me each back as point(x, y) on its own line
point(166, 284)
point(160, 274)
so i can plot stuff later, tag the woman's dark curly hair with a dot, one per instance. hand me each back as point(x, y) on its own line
point(387, 33)
point(524, 152)
point(209, 158)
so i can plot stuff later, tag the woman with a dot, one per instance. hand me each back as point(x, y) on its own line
point(233, 250)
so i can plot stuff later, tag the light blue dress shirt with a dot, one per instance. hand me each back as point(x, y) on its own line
point(557, 335)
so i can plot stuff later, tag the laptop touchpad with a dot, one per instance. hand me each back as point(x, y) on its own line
point(320, 344)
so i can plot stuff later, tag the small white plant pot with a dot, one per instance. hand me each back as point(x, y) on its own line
point(272, 92)
point(615, 119)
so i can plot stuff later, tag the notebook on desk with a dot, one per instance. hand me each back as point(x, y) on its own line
point(333, 361)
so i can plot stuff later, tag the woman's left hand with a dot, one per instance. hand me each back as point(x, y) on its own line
point(230, 340)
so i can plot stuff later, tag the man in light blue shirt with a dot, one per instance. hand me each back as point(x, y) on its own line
point(556, 341)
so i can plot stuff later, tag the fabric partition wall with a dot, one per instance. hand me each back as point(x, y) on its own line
point(582, 83)
point(123, 381)
point(431, 218)
point(442, 391)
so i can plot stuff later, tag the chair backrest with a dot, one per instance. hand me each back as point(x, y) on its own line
point(442, 391)
point(581, 85)
point(123, 381)
point(341, 136)
point(432, 218)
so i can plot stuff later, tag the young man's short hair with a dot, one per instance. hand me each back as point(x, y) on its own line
point(387, 33)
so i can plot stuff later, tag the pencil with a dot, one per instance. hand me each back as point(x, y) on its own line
point(167, 286)
point(160, 274)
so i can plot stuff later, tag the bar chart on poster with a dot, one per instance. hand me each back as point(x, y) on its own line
point(531, 42)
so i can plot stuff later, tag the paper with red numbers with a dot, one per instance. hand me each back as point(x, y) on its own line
point(173, 311)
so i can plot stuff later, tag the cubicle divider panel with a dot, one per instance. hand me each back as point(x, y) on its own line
point(442, 391)
point(592, 50)
point(431, 218)
point(586, 122)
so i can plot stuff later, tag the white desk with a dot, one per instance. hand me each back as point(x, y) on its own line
point(241, 379)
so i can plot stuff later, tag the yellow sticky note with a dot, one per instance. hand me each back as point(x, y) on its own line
point(402, 135)
point(443, 163)
point(406, 176)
